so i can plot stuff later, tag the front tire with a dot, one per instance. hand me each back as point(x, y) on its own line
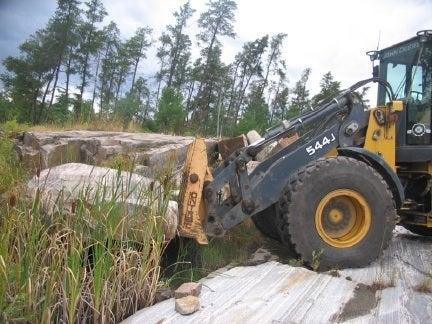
point(337, 212)
point(266, 222)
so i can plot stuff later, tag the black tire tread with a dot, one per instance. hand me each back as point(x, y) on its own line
point(266, 222)
point(295, 187)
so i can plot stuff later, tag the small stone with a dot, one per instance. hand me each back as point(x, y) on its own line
point(163, 294)
point(260, 256)
point(187, 305)
point(253, 136)
point(188, 289)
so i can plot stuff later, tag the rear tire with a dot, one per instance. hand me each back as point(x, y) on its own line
point(337, 212)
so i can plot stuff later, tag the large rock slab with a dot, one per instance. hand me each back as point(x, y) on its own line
point(391, 290)
point(42, 150)
point(59, 188)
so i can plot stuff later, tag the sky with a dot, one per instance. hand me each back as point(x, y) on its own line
point(323, 35)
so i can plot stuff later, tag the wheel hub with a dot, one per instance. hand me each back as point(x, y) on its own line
point(343, 218)
point(338, 217)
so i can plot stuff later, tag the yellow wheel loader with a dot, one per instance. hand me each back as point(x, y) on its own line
point(351, 174)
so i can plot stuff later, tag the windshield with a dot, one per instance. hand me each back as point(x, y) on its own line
point(407, 67)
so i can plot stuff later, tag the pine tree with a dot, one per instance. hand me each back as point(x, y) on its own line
point(216, 22)
point(171, 113)
point(329, 87)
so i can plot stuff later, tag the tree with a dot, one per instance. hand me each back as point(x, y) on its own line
point(362, 94)
point(126, 109)
point(5, 108)
point(37, 70)
point(300, 101)
point(328, 88)
point(273, 59)
point(171, 113)
point(108, 66)
point(59, 110)
point(246, 67)
point(174, 52)
point(216, 22)
point(26, 76)
point(279, 104)
point(137, 47)
point(122, 69)
point(62, 29)
point(275, 78)
point(89, 44)
point(256, 115)
point(141, 93)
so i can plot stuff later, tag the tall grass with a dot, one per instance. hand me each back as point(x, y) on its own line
point(97, 264)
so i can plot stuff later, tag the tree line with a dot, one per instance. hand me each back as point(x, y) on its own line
point(78, 68)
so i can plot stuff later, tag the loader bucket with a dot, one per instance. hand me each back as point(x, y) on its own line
point(191, 204)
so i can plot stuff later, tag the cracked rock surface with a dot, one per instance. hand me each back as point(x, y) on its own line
point(393, 289)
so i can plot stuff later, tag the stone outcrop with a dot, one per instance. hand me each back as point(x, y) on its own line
point(272, 292)
point(149, 151)
point(71, 165)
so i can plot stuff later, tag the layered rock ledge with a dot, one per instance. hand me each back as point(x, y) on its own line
point(149, 151)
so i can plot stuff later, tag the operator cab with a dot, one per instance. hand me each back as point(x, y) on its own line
point(407, 67)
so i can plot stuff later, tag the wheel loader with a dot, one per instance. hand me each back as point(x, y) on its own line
point(349, 175)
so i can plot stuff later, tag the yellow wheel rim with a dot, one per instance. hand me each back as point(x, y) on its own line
point(343, 218)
